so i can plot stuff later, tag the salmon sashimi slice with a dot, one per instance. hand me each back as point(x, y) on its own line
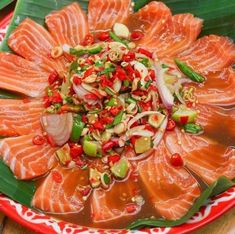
point(209, 53)
point(177, 34)
point(206, 157)
point(25, 159)
point(69, 25)
point(34, 43)
point(218, 89)
point(116, 202)
point(210, 118)
point(172, 190)
point(103, 14)
point(61, 191)
point(20, 117)
point(20, 75)
point(151, 19)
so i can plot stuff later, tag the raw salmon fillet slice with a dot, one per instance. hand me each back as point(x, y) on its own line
point(60, 192)
point(113, 204)
point(178, 34)
point(20, 75)
point(209, 53)
point(25, 159)
point(218, 89)
point(172, 190)
point(34, 43)
point(103, 14)
point(20, 117)
point(207, 158)
point(210, 118)
point(151, 19)
point(69, 25)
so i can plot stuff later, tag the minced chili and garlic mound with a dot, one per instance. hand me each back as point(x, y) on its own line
point(117, 110)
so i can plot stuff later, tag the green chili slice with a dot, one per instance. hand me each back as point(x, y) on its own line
point(189, 72)
point(193, 128)
point(78, 126)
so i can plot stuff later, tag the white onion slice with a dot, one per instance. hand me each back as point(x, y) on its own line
point(58, 126)
point(141, 115)
point(166, 96)
point(144, 133)
point(81, 93)
point(160, 133)
point(142, 156)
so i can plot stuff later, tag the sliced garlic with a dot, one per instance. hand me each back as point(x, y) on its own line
point(120, 128)
point(56, 52)
point(121, 30)
point(117, 85)
point(140, 68)
point(90, 79)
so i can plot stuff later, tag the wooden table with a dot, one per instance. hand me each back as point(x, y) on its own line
point(223, 225)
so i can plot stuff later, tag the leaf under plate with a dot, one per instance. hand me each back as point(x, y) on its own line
point(20, 191)
point(4, 3)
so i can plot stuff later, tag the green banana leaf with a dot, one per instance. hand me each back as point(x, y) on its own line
point(219, 18)
point(221, 185)
point(5, 3)
point(17, 190)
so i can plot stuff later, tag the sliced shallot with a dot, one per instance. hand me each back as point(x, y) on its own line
point(58, 126)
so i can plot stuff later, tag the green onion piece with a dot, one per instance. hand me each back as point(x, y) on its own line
point(99, 64)
point(126, 83)
point(109, 91)
point(112, 102)
point(73, 66)
point(193, 128)
point(165, 66)
point(78, 126)
point(95, 49)
point(189, 72)
point(130, 100)
point(148, 83)
point(145, 61)
point(139, 109)
point(117, 120)
point(77, 53)
point(106, 71)
point(117, 39)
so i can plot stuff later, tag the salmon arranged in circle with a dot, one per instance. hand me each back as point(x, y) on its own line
point(206, 157)
point(20, 117)
point(151, 19)
point(103, 14)
point(25, 159)
point(218, 89)
point(210, 116)
point(116, 202)
point(20, 75)
point(209, 54)
point(69, 25)
point(178, 34)
point(172, 190)
point(34, 43)
point(62, 191)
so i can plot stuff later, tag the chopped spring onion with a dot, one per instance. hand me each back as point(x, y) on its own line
point(109, 91)
point(117, 39)
point(106, 71)
point(189, 72)
point(193, 128)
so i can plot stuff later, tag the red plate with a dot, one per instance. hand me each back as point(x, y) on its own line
point(41, 223)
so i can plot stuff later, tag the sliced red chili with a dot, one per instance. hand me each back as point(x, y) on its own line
point(176, 160)
point(184, 119)
point(56, 98)
point(98, 125)
point(152, 74)
point(115, 110)
point(136, 35)
point(46, 101)
point(108, 146)
point(120, 73)
point(131, 208)
point(84, 118)
point(145, 52)
point(107, 120)
point(57, 177)
point(149, 128)
point(77, 80)
point(105, 81)
point(76, 151)
point(39, 140)
point(90, 96)
point(103, 36)
point(88, 40)
point(130, 56)
point(88, 72)
point(113, 158)
point(170, 125)
point(85, 192)
point(53, 77)
point(130, 71)
point(50, 140)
